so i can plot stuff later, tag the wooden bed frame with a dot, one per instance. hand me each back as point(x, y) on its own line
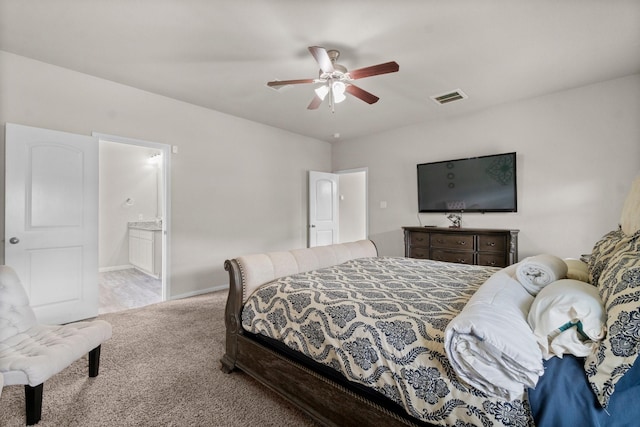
point(324, 399)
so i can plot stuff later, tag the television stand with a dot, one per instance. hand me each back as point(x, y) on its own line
point(474, 246)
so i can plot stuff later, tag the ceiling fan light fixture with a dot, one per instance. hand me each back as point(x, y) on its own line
point(322, 91)
point(338, 89)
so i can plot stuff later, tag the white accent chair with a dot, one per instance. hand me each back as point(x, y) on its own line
point(31, 353)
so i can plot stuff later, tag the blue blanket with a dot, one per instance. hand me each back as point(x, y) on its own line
point(563, 397)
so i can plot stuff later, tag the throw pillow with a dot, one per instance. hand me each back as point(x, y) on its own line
point(577, 270)
point(619, 287)
point(602, 252)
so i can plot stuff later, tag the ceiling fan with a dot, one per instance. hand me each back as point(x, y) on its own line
point(336, 80)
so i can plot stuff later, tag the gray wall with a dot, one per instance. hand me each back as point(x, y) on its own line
point(577, 153)
point(237, 186)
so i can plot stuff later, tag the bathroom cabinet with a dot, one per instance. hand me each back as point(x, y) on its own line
point(145, 251)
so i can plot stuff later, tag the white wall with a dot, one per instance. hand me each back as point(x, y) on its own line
point(125, 174)
point(352, 187)
point(237, 186)
point(240, 187)
point(577, 153)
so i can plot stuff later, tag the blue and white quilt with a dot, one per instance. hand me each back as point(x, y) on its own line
point(380, 322)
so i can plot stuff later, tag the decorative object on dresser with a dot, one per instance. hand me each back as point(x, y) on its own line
point(474, 246)
point(456, 220)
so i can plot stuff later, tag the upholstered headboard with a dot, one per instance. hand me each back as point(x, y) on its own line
point(259, 269)
point(630, 218)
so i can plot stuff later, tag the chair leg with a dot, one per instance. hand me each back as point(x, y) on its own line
point(94, 362)
point(33, 401)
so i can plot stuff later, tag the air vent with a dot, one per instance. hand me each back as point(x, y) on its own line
point(446, 98)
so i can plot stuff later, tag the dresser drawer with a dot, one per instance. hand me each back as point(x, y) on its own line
point(492, 260)
point(422, 253)
point(488, 243)
point(452, 241)
point(452, 256)
point(420, 239)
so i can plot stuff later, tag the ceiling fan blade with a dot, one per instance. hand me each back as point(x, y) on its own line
point(374, 70)
point(322, 57)
point(315, 103)
point(276, 84)
point(367, 97)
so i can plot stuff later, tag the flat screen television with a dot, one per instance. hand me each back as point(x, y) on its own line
point(475, 184)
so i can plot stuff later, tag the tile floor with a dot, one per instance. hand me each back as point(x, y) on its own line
point(125, 289)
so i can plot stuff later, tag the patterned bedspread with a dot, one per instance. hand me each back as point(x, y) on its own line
point(381, 321)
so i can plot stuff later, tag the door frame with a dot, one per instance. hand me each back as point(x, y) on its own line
point(337, 175)
point(166, 208)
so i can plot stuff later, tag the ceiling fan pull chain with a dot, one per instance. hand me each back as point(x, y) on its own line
point(332, 103)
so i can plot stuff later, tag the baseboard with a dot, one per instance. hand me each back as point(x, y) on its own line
point(115, 268)
point(200, 292)
point(155, 276)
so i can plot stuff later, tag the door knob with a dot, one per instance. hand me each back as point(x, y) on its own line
point(14, 240)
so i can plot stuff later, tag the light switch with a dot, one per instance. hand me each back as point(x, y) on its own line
point(383, 205)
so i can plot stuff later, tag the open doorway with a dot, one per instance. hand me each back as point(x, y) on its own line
point(337, 207)
point(133, 223)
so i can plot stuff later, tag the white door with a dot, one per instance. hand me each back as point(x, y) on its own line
point(51, 220)
point(323, 208)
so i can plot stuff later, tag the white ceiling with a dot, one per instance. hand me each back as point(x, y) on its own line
point(219, 54)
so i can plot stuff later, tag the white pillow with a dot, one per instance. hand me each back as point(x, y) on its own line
point(576, 269)
point(567, 317)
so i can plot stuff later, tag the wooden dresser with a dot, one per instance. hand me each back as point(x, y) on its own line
point(476, 246)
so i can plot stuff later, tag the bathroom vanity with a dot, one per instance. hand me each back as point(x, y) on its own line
point(145, 247)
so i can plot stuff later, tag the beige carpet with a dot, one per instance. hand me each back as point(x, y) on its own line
point(161, 368)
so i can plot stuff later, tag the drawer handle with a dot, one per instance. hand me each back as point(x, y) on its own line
point(440, 241)
point(462, 261)
point(492, 263)
point(462, 242)
point(491, 243)
point(419, 239)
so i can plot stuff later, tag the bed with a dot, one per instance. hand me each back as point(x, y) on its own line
point(353, 338)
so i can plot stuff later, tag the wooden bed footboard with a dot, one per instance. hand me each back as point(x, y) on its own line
point(232, 313)
point(246, 273)
point(323, 399)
